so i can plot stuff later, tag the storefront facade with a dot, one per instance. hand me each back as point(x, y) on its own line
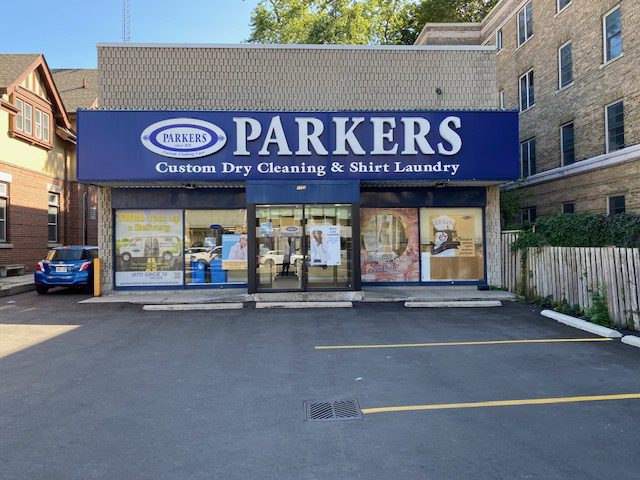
point(302, 199)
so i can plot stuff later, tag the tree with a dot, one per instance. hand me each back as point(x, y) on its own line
point(356, 21)
point(328, 21)
point(442, 11)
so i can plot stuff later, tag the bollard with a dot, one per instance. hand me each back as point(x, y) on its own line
point(97, 277)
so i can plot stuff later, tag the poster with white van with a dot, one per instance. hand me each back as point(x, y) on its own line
point(148, 248)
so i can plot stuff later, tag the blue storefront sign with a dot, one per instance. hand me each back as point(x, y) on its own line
point(216, 146)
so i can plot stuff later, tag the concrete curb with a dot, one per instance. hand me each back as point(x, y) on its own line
point(193, 306)
point(454, 304)
point(581, 324)
point(16, 289)
point(304, 304)
point(631, 340)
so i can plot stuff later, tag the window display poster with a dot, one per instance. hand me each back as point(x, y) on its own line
point(389, 245)
point(148, 247)
point(234, 251)
point(324, 242)
point(452, 244)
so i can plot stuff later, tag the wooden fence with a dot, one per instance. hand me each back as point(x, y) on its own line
point(575, 273)
point(511, 269)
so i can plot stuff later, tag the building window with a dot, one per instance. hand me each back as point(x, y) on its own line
point(19, 115)
point(54, 206)
point(616, 204)
point(528, 215)
point(23, 117)
point(42, 125)
point(527, 98)
point(568, 208)
point(501, 99)
point(614, 126)
point(45, 127)
point(499, 40)
point(612, 34)
point(144, 257)
point(451, 247)
point(565, 65)
point(38, 124)
point(4, 199)
point(525, 24)
point(562, 4)
point(567, 150)
point(528, 157)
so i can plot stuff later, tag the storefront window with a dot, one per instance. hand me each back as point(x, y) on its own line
point(148, 248)
point(216, 246)
point(389, 245)
point(451, 244)
point(330, 248)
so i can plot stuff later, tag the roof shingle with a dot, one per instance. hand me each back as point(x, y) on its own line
point(69, 82)
point(12, 65)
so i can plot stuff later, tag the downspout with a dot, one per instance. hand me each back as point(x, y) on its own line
point(84, 218)
point(66, 196)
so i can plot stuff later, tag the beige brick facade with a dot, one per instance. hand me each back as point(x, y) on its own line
point(595, 85)
point(290, 78)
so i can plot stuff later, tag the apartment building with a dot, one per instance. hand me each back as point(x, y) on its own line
point(568, 67)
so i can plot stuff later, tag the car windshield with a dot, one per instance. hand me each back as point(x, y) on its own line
point(66, 255)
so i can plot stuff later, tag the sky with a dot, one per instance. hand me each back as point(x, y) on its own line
point(67, 34)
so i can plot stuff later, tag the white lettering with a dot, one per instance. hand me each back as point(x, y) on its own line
point(305, 137)
point(447, 134)
point(379, 135)
point(344, 136)
point(241, 133)
point(411, 137)
point(275, 134)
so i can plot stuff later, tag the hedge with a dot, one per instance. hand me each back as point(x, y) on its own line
point(582, 230)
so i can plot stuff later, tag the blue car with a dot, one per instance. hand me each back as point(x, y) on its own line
point(66, 267)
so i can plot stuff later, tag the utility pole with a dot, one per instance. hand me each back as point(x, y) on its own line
point(126, 35)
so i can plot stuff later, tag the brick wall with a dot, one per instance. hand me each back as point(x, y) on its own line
point(323, 78)
point(595, 85)
point(589, 191)
point(27, 217)
point(105, 237)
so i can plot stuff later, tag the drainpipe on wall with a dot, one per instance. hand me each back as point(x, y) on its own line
point(66, 196)
point(84, 218)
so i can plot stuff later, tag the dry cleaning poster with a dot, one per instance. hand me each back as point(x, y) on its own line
point(390, 250)
point(325, 245)
point(148, 248)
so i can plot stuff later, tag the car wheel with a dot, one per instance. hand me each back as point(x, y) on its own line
point(204, 262)
point(126, 257)
point(167, 256)
point(41, 289)
point(268, 263)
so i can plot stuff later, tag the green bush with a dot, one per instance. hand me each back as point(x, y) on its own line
point(582, 230)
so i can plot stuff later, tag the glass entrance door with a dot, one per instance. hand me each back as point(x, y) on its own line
point(279, 237)
point(304, 247)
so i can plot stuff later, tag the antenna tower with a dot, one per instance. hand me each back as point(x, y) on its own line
point(126, 33)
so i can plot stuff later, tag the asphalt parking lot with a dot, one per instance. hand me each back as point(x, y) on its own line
point(110, 392)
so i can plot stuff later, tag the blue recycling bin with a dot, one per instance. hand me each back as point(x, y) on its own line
point(197, 272)
point(218, 275)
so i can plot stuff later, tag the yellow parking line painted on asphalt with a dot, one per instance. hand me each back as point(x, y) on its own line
point(502, 403)
point(458, 344)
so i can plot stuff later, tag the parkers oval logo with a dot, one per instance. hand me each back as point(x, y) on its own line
point(183, 138)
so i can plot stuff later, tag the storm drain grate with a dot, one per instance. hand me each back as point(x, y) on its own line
point(331, 411)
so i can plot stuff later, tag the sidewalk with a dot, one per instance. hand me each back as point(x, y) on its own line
point(15, 285)
point(369, 294)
